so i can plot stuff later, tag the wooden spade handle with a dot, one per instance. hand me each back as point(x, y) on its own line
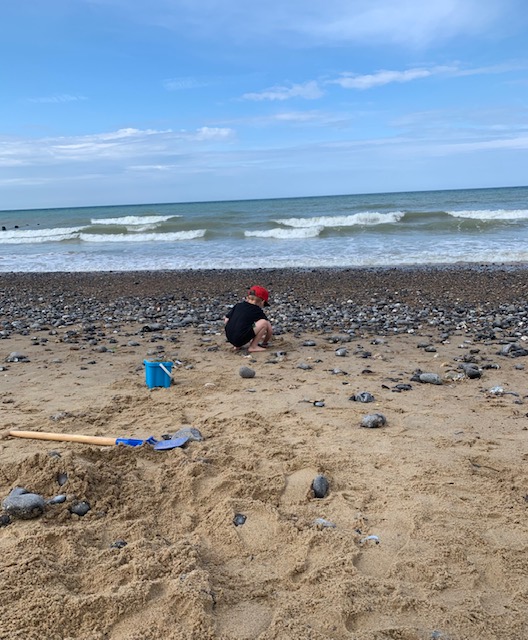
point(63, 437)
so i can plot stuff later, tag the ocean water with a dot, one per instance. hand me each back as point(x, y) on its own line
point(385, 229)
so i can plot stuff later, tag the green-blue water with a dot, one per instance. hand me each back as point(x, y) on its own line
point(426, 227)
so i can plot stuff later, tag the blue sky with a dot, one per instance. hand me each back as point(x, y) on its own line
point(123, 102)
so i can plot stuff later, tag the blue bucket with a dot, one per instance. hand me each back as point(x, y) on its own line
point(155, 374)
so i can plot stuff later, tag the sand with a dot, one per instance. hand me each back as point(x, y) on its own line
point(423, 533)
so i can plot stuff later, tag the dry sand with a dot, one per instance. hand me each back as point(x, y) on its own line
point(443, 488)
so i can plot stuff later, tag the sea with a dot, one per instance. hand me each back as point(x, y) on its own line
point(364, 230)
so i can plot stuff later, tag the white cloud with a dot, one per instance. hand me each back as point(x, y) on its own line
point(212, 133)
point(124, 145)
point(183, 84)
point(58, 99)
point(309, 91)
point(367, 81)
point(349, 80)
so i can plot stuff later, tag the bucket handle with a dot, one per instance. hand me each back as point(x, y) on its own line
point(165, 369)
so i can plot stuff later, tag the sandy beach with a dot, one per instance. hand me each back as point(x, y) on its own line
point(421, 534)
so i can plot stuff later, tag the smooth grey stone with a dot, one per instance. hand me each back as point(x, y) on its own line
point(21, 504)
point(5, 520)
point(320, 486)
point(304, 366)
point(342, 352)
point(239, 519)
point(309, 343)
point(430, 378)
point(246, 372)
point(62, 479)
point(57, 499)
point(321, 523)
point(189, 432)
point(373, 421)
point(364, 396)
point(471, 371)
point(403, 387)
point(16, 356)
point(118, 544)
point(80, 508)
point(155, 326)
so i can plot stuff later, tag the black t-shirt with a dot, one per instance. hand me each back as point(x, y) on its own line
point(242, 317)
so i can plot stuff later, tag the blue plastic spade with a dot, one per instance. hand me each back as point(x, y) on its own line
point(171, 444)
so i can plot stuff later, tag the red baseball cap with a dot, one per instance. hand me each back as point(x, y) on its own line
point(261, 293)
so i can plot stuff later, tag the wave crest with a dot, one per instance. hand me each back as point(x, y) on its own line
point(286, 234)
point(492, 214)
point(132, 220)
point(363, 218)
point(144, 237)
point(36, 236)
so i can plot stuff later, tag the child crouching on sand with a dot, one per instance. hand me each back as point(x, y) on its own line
point(247, 324)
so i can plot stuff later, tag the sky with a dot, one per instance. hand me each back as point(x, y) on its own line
point(108, 102)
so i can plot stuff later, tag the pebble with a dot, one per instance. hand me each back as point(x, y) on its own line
point(364, 396)
point(57, 499)
point(342, 352)
point(24, 505)
point(62, 479)
point(80, 508)
point(426, 378)
point(471, 371)
point(304, 366)
point(246, 372)
point(373, 421)
point(15, 356)
point(5, 520)
point(309, 343)
point(118, 544)
point(321, 523)
point(320, 486)
point(189, 432)
point(239, 519)
point(513, 350)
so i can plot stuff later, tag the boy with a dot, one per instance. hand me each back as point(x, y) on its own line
point(246, 322)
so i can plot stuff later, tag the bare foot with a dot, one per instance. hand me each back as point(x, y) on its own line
point(257, 348)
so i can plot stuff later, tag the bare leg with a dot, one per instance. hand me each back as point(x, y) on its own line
point(263, 332)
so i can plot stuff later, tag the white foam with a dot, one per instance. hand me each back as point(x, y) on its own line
point(286, 234)
point(30, 236)
point(363, 218)
point(144, 237)
point(133, 220)
point(492, 214)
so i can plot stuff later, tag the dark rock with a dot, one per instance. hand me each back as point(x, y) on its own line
point(364, 396)
point(373, 421)
point(246, 372)
point(24, 505)
point(80, 508)
point(320, 486)
point(118, 544)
